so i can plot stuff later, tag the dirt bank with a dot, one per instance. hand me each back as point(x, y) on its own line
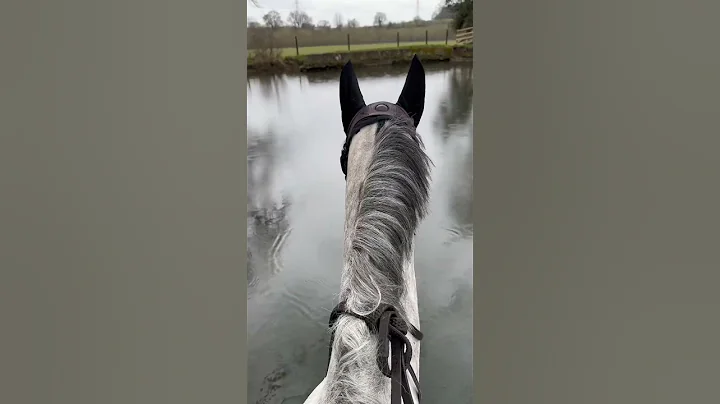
point(427, 54)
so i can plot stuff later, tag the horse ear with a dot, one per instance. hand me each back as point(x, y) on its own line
point(351, 99)
point(412, 97)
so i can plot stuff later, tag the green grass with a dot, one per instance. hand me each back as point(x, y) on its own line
point(318, 50)
point(284, 37)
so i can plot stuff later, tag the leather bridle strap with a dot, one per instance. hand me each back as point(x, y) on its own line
point(391, 330)
point(373, 113)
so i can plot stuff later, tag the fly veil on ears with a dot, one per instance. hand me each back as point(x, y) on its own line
point(356, 114)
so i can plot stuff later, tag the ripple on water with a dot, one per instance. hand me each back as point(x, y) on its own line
point(299, 302)
point(274, 255)
point(459, 232)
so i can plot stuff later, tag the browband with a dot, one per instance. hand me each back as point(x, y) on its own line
point(368, 115)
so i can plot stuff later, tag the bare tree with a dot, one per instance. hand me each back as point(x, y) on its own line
point(273, 19)
point(353, 23)
point(338, 20)
point(380, 19)
point(299, 19)
point(323, 24)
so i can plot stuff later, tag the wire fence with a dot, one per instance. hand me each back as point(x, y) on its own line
point(309, 41)
point(361, 46)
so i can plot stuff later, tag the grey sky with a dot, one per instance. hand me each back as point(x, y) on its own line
point(362, 10)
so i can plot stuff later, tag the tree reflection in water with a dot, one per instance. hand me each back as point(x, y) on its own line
point(271, 87)
point(267, 220)
point(456, 107)
point(454, 119)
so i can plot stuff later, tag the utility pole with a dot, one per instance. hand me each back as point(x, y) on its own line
point(297, 10)
point(417, 9)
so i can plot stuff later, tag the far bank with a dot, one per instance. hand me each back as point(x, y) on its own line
point(379, 57)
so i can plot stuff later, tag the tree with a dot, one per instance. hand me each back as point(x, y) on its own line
point(380, 19)
point(463, 11)
point(252, 23)
point(299, 19)
point(273, 19)
point(323, 24)
point(353, 23)
point(338, 20)
point(443, 13)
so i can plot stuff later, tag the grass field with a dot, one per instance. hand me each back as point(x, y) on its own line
point(284, 37)
point(316, 50)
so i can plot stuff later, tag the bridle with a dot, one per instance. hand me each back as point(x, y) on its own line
point(373, 113)
point(385, 321)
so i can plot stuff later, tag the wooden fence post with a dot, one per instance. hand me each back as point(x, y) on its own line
point(297, 48)
point(348, 42)
point(426, 41)
point(447, 32)
point(398, 39)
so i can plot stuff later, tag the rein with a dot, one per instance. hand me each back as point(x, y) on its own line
point(391, 330)
point(385, 321)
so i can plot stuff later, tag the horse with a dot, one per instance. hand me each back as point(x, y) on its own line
point(375, 340)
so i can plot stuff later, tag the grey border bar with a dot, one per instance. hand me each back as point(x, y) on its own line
point(122, 230)
point(596, 266)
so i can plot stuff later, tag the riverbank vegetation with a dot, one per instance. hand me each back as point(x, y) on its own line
point(277, 44)
point(261, 63)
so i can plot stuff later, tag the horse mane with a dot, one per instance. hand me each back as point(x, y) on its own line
point(393, 199)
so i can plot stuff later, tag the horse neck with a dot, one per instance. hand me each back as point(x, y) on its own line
point(384, 201)
point(359, 158)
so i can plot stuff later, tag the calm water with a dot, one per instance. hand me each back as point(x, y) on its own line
point(295, 229)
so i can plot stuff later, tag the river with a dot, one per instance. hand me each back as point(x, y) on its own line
point(295, 229)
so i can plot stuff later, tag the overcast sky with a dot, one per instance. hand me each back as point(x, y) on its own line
point(362, 10)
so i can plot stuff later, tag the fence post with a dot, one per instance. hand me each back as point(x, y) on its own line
point(297, 48)
point(348, 42)
point(447, 32)
point(398, 39)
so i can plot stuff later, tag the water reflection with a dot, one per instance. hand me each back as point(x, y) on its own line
point(295, 226)
point(456, 107)
point(267, 217)
point(270, 86)
point(454, 119)
point(460, 203)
